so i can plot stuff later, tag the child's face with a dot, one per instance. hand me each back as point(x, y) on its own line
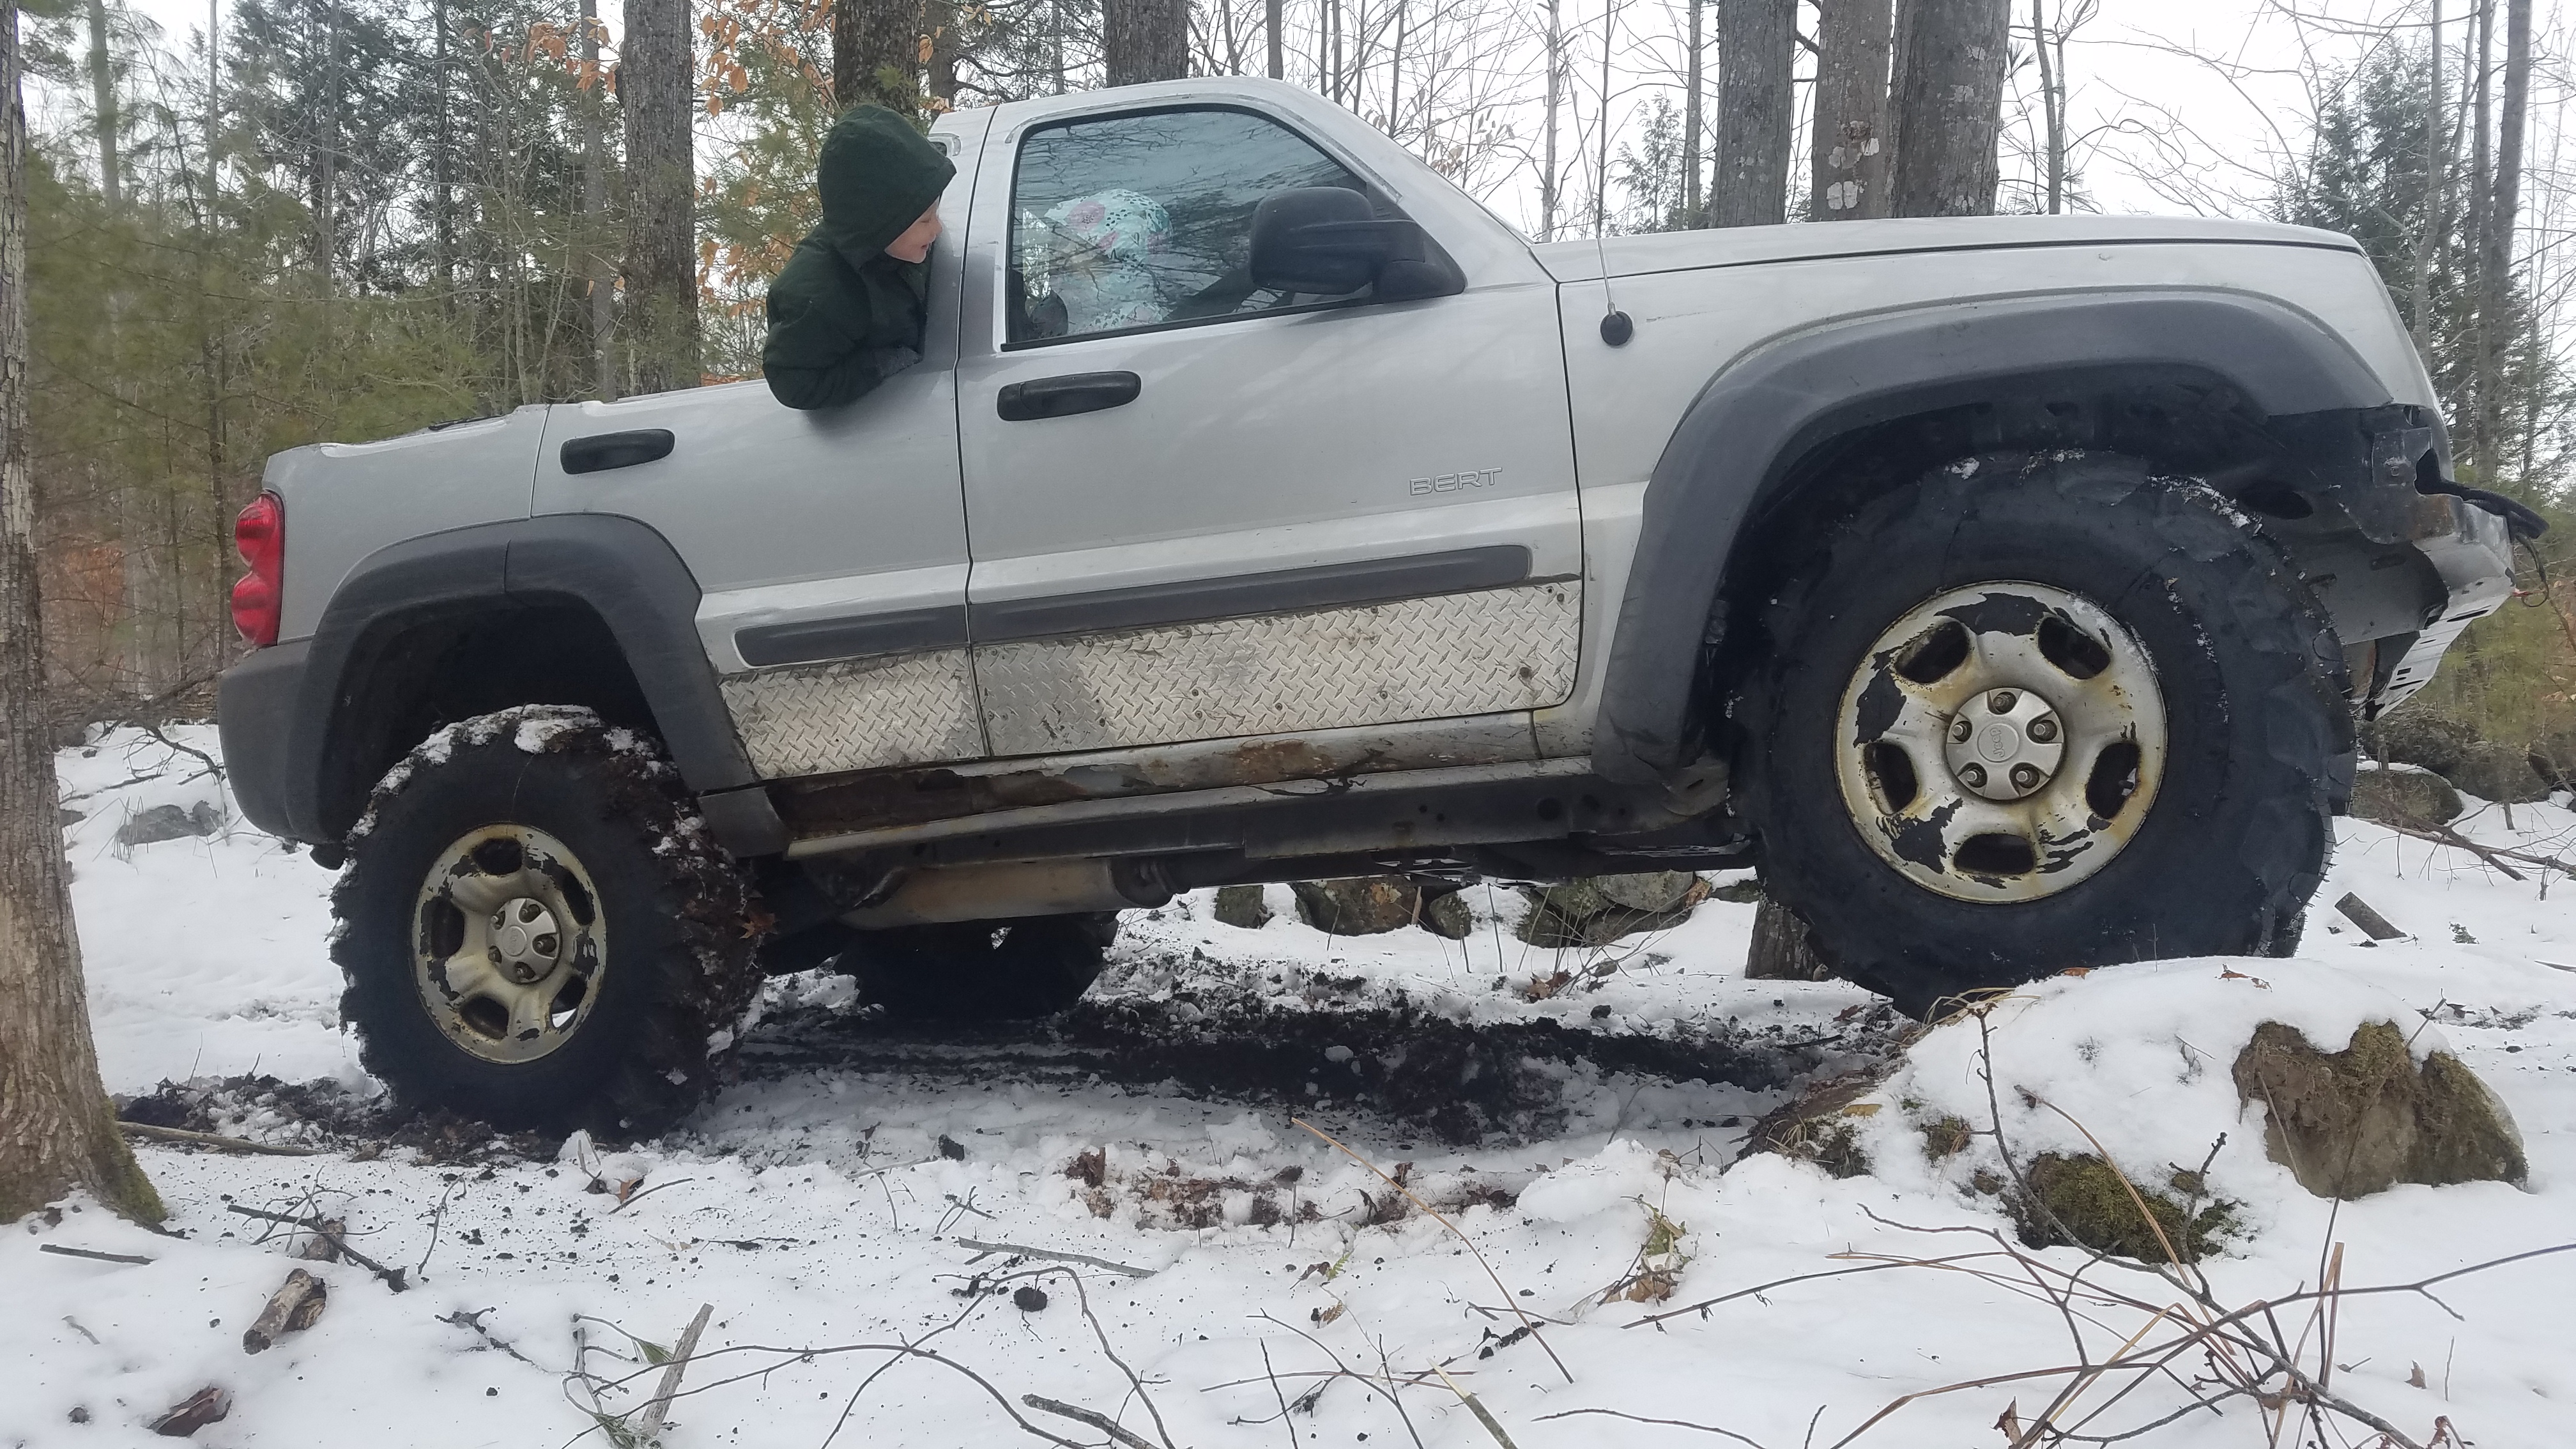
point(914, 244)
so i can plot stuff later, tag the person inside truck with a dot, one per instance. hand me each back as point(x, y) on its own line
point(848, 310)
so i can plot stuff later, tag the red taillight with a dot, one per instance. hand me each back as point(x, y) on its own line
point(260, 534)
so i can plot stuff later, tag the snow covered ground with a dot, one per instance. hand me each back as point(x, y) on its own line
point(1265, 1273)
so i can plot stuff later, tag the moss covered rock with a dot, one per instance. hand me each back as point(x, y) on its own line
point(2404, 797)
point(1371, 905)
point(2357, 1121)
point(1600, 910)
point(2081, 1201)
point(1243, 906)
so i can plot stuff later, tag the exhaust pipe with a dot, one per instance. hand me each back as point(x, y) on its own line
point(936, 895)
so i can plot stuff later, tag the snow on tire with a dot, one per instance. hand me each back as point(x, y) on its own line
point(2041, 712)
point(537, 932)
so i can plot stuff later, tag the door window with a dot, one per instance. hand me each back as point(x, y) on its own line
point(1146, 220)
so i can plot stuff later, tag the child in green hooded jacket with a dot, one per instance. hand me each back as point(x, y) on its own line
point(848, 310)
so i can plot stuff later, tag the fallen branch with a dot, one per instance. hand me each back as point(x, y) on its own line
point(651, 1429)
point(292, 1308)
point(393, 1276)
point(92, 1253)
point(2494, 855)
point(214, 1140)
point(985, 1250)
point(1092, 1417)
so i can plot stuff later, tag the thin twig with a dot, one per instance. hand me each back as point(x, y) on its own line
point(93, 1253)
point(1081, 1415)
point(1509, 1301)
point(1642, 1419)
point(984, 1250)
point(393, 1276)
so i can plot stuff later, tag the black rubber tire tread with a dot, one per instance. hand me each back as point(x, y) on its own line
point(1014, 970)
point(2253, 680)
point(681, 971)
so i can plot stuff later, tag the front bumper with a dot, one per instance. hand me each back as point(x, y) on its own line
point(255, 709)
point(2472, 552)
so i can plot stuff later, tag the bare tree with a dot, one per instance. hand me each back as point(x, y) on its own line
point(2495, 250)
point(1547, 176)
point(1851, 148)
point(600, 268)
point(1755, 44)
point(102, 84)
point(1144, 40)
point(654, 89)
point(57, 1131)
point(1694, 84)
point(1949, 108)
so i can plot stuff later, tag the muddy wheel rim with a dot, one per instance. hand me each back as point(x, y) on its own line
point(2001, 742)
point(508, 947)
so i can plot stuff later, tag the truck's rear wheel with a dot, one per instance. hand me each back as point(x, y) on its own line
point(2039, 713)
point(537, 933)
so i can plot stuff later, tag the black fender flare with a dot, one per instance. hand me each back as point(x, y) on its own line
point(620, 568)
point(1763, 411)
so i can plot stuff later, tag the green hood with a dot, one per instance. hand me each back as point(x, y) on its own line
point(877, 177)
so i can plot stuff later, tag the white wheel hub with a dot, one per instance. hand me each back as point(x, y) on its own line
point(508, 944)
point(2001, 742)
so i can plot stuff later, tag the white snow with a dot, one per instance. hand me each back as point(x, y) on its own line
point(819, 1209)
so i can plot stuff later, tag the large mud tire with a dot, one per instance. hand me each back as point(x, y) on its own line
point(2233, 838)
point(985, 970)
point(672, 975)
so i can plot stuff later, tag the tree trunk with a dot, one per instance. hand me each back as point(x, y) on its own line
point(2481, 207)
point(1755, 41)
point(1547, 198)
point(2436, 166)
point(2052, 101)
point(2496, 323)
point(1145, 40)
point(1695, 82)
point(653, 87)
point(1948, 108)
point(1780, 951)
point(599, 268)
point(57, 1131)
point(876, 54)
point(102, 87)
point(1851, 150)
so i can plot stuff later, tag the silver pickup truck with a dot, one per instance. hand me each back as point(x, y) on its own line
point(2006, 588)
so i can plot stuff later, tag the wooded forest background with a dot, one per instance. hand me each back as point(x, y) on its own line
point(313, 220)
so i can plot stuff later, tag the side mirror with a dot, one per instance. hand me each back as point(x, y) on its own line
point(1328, 240)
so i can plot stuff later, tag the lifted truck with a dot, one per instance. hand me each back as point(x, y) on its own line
point(2007, 588)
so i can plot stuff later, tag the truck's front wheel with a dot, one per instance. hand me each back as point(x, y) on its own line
point(2040, 713)
point(537, 933)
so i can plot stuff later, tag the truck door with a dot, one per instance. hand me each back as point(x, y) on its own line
point(1201, 511)
point(830, 545)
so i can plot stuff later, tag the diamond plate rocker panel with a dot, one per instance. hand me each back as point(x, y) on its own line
point(1457, 654)
point(856, 714)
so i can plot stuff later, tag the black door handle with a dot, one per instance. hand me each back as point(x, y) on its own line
point(602, 451)
point(1062, 397)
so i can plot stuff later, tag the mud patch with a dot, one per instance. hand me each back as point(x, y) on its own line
point(1292, 1038)
point(324, 1114)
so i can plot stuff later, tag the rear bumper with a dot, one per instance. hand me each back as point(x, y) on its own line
point(255, 711)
